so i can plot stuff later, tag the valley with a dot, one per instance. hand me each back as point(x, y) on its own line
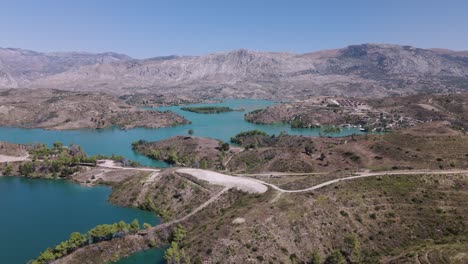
point(362, 158)
point(353, 196)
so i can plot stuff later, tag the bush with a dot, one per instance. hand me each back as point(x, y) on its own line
point(172, 158)
point(223, 146)
point(352, 156)
point(336, 257)
point(315, 259)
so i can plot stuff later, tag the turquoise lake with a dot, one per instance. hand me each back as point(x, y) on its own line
point(37, 214)
point(151, 256)
point(116, 141)
point(41, 213)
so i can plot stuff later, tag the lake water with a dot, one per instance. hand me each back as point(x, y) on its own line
point(41, 213)
point(37, 214)
point(151, 256)
point(114, 140)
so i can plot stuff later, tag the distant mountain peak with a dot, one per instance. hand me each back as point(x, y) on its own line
point(369, 69)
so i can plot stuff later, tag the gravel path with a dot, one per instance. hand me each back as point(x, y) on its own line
point(5, 158)
point(244, 184)
point(110, 164)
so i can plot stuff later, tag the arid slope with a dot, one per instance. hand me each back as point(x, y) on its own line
point(55, 109)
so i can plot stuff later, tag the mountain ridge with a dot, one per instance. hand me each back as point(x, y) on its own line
point(356, 70)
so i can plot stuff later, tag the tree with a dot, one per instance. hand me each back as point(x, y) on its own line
point(223, 146)
point(57, 145)
point(26, 169)
point(179, 235)
point(8, 170)
point(172, 158)
point(122, 226)
point(46, 256)
point(134, 226)
point(76, 239)
point(203, 164)
point(176, 255)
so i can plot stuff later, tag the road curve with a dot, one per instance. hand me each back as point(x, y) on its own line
point(364, 175)
point(251, 185)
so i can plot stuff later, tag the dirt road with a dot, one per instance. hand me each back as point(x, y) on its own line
point(5, 158)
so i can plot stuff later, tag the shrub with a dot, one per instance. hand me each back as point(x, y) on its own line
point(8, 170)
point(223, 146)
point(26, 169)
point(172, 158)
point(336, 257)
point(352, 156)
point(315, 259)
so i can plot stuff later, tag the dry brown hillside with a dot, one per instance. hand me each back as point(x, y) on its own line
point(55, 109)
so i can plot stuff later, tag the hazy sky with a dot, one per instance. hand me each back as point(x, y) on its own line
point(154, 28)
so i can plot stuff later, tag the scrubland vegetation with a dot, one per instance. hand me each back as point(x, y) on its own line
point(97, 234)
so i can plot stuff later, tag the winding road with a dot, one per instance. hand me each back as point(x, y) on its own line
point(364, 175)
point(244, 183)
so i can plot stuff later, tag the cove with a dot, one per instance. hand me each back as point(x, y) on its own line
point(220, 126)
point(38, 213)
point(151, 256)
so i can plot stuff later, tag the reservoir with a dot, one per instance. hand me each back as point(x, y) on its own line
point(37, 214)
point(109, 141)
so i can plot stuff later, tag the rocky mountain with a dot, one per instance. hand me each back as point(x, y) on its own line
point(21, 68)
point(358, 70)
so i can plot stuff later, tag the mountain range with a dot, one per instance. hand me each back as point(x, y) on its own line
point(357, 70)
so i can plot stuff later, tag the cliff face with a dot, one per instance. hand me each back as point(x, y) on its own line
point(359, 70)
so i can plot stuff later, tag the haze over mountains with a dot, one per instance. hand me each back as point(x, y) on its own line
point(358, 70)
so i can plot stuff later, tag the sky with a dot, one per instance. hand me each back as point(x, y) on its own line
point(149, 28)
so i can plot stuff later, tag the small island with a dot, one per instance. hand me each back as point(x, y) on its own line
point(208, 109)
